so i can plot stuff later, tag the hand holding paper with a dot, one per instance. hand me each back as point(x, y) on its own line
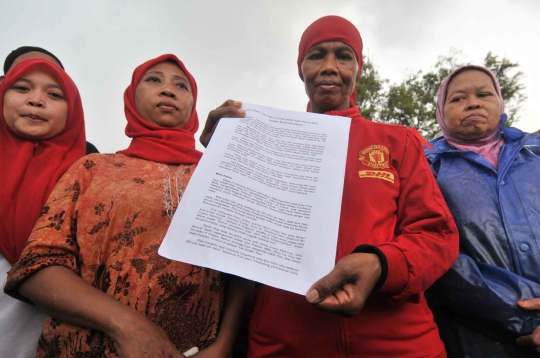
point(265, 200)
point(229, 109)
point(347, 287)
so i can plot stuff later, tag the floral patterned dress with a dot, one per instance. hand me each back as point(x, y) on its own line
point(105, 220)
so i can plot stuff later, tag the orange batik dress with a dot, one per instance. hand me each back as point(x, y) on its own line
point(105, 220)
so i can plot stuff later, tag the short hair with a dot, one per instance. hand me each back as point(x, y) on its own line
point(21, 51)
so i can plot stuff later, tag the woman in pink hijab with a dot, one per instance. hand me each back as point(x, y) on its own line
point(487, 304)
point(480, 135)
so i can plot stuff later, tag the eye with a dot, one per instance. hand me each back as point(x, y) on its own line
point(315, 56)
point(344, 56)
point(152, 79)
point(484, 94)
point(56, 95)
point(20, 88)
point(182, 85)
point(455, 99)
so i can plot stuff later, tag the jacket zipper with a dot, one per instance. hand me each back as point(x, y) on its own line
point(342, 346)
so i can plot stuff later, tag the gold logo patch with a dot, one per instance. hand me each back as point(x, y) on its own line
point(377, 174)
point(375, 156)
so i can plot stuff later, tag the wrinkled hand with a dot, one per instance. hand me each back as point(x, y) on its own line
point(346, 288)
point(532, 340)
point(141, 338)
point(229, 109)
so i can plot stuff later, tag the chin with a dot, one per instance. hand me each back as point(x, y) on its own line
point(32, 136)
point(166, 124)
point(169, 125)
point(330, 103)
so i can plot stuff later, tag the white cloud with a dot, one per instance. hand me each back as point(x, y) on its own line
point(246, 50)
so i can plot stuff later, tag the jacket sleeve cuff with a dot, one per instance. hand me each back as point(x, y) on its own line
point(398, 270)
point(384, 264)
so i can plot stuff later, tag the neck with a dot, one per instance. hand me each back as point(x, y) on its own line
point(493, 136)
point(313, 108)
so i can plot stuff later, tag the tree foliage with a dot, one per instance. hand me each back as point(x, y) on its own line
point(370, 90)
point(413, 101)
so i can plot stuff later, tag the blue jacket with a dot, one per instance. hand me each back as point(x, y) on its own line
point(497, 213)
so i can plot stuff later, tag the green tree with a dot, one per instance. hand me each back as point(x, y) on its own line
point(413, 102)
point(511, 86)
point(370, 90)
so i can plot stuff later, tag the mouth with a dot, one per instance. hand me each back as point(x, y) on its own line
point(34, 117)
point(168, 106)
point(474, 116)
point(328, 85)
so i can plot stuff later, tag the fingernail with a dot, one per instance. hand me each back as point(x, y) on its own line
point(237, 104)
point(312, 296)
point(522, 303)
point(242, 112)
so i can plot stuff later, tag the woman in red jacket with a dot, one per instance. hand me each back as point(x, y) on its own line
point(396, 235)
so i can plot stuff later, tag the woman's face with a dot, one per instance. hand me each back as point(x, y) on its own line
point(35, 106)
point(329, 71)
point(163, 96)
point(472, 107)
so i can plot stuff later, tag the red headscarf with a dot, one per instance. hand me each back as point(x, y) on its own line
point(331, 28)
point(155, 143)
point(31, 168)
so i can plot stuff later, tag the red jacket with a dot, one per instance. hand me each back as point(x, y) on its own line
point(391, 201)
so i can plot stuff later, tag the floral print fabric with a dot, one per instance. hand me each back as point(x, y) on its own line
point(105, 220)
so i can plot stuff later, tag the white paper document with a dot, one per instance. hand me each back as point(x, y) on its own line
point(265, 200)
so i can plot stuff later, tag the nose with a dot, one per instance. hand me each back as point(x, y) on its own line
point(473, 104)
point(36, 99)
point(167, 92)
point(35, 102)
point(329, 65)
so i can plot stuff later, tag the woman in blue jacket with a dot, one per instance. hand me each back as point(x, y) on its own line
point(489, 175)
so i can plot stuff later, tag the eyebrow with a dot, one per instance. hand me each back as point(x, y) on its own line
point(477, 88)
point(24, 80)
point(343, 47)
point(50, 85)
point(55, 86)
point(161, 73)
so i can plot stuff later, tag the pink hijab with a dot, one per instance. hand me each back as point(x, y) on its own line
point(489, 146)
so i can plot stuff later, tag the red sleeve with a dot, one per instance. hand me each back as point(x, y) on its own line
point(426, 242)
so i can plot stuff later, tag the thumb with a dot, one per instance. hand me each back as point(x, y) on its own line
point(326, 285)
point(530, 304)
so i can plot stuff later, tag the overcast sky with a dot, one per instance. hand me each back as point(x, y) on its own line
point(246, 50)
